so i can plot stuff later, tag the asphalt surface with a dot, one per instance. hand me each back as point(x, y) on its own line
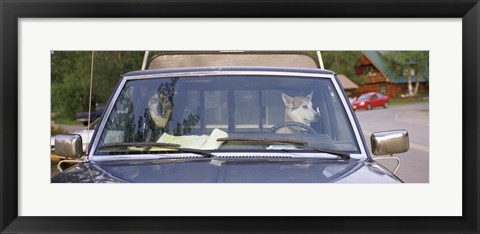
point(414, 164)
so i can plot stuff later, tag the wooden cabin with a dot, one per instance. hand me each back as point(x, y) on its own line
point(380, 77)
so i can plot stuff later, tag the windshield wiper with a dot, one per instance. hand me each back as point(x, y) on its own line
point(146, 145)
point(263, 140)
point(150, 145)
point(301, 144)
point(342, 155)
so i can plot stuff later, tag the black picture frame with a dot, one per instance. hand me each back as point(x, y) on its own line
point(11, 11)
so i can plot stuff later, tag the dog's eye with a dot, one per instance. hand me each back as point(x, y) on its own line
point(304, 107)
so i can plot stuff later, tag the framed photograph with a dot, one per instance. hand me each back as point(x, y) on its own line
point(35, 33)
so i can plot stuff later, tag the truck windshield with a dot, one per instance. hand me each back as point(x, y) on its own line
point(194, 112)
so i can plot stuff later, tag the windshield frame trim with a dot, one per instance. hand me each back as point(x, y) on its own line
point(222, 73)
point(353, 122)
point(105, 116)
point(332, 77)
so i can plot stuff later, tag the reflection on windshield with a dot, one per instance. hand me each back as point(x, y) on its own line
point(196, 111)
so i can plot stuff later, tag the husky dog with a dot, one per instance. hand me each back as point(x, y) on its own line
point(298, 109)
point(160, 109)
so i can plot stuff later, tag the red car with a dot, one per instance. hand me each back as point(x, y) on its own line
point(370, 100)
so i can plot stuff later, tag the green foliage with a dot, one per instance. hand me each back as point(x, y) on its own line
point(406, 60)
point(421, 97)
point(70, 75)
point(343, 62)
point(403, 62)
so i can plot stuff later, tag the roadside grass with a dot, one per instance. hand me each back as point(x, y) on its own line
point(408, 100)
point(59, 118)
point(57, 130)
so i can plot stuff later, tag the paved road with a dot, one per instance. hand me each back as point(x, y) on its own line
point(414, 164)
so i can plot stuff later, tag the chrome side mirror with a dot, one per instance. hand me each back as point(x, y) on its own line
point(69, 145)
point(390, 142)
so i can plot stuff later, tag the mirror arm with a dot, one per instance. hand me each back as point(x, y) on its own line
point(68, 161)
point(391, 157)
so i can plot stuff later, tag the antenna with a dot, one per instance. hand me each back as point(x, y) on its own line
point(90, 98)
point(145, 59)
point(320, 60)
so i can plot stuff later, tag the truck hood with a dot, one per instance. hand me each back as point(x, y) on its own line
point(228, 171)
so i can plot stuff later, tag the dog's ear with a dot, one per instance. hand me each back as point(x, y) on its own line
point(287, 100)
point(309, 97)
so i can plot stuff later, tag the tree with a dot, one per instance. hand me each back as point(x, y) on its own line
point(421, 67)
point(70, 76)
point(70, 73)
point(343, 62)
point(410, 63)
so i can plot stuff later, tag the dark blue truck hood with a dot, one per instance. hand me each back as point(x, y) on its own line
point(228, 171)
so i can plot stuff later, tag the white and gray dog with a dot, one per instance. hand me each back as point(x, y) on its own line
point(299, 109)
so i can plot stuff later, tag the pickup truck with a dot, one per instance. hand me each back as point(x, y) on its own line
point(248, 122)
